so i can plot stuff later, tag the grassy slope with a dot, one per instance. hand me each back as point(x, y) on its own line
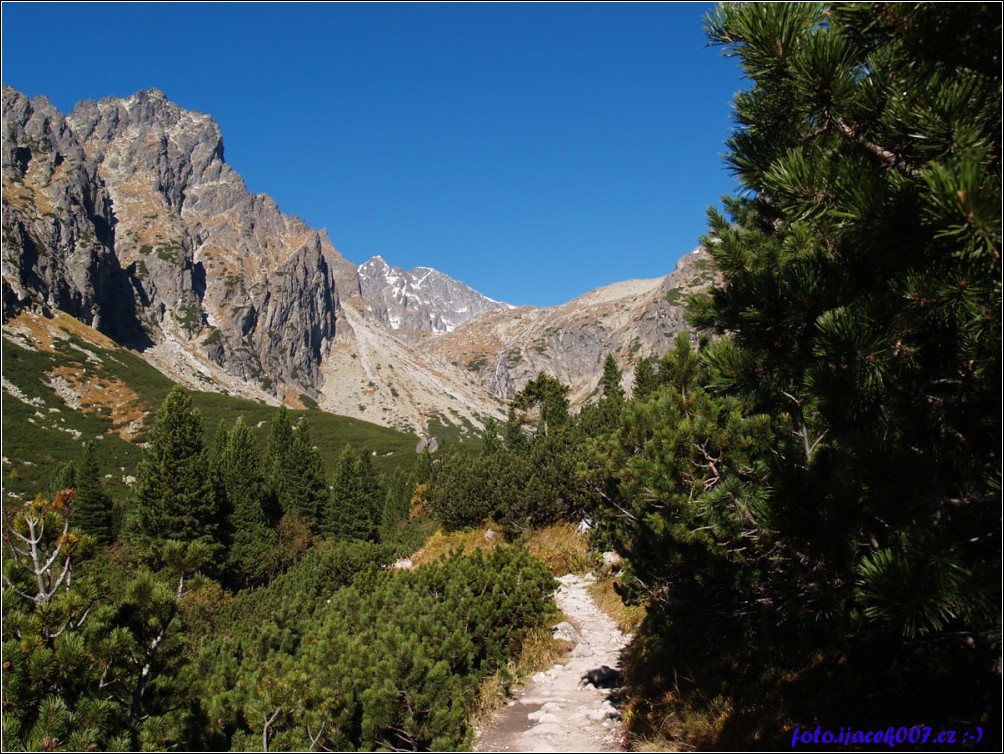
point(37, 439)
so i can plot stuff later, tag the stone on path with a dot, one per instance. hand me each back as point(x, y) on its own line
point(566, 632)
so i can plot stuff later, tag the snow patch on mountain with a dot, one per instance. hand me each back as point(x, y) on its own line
point(419, 301)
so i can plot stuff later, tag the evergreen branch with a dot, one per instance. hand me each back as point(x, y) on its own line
point(64, 575)
point(615, 504)
point(18, 592)
point(889, 158)
point(55, 554)
point(104, 674)
point(392, 747)
point(20, 536)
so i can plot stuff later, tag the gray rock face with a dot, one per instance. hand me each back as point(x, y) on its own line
point(125, 215)
point(419, 301)
point(634, 319)
point(215, 263)
point(125, 211)
point(58, 225)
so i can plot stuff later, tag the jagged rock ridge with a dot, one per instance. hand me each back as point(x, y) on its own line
point(420, 301)
point(58, 224)
point(631, 320)
point(214, 265)
point(125, 215)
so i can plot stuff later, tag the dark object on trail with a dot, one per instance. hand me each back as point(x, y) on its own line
point(603, 677)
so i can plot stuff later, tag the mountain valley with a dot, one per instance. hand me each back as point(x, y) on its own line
point(125, 216)
point(259, 496)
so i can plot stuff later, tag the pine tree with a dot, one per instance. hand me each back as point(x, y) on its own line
point(242, 480)
point(174, 496)
point(278, 449)
point(514, 436)
point(862, 282)
point(304, 490)
point(549, 397)
point(610, 382)
point(295, 470)
point(395, 507)
point(545, 477)
point(490, 437)
point(92, 508)
point(352, 508)
point(56, 637)
point(859, 302)
point(497, 481)
point(462, 490)
point(423, 469)
point(645, 380)
point(64, 479)
point(688, 487)
point(224, 533)
point(604, 415)
point(40, 551)
point(373, 492)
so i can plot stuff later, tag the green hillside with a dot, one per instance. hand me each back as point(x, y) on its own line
point(120, 396)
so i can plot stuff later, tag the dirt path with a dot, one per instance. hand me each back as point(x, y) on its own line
point(557, 711)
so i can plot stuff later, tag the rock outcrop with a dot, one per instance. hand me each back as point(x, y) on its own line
point(213, 263)
point(58, 224)
point(414, 303)
point(125, 215)
point(630, 320)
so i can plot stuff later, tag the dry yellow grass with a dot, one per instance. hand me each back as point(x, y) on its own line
point(627, 617)
point(675, 724)
point(107, 395)
point(43, 330)
point(561, 549)
point(540, 651)
point(441, 544)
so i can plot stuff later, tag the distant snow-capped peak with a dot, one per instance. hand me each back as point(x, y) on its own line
point(419, 300)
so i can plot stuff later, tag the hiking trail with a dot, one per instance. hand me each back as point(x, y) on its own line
point(556, 711)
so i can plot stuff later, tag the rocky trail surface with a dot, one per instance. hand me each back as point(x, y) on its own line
point(556, 711)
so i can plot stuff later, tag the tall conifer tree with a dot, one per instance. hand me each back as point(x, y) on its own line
point(278, 449)
point(610, 382)
point(174, 492)
point(252, 539)
point(395, 507)
point(549, 397)
point(645, 380)
point(306, 491)
point(92, 507)
point(353, 507)
point(295, 470)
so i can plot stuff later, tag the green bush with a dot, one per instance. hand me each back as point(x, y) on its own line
point(393, 660)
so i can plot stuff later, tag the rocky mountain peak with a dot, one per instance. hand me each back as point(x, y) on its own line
point(630, 320)
point(126, 216)
point(58, 224)
point(179, 148)
point(374, 264)
point(209, 269)
point(419, 301)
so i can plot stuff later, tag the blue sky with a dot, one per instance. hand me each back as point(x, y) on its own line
point(534, 151)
